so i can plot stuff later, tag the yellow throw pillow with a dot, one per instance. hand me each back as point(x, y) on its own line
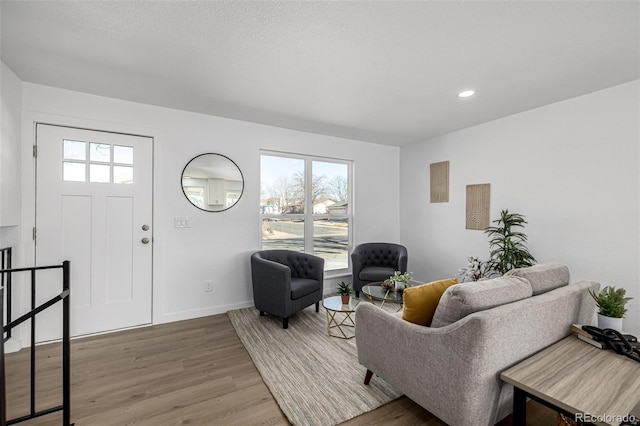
point(420, 302)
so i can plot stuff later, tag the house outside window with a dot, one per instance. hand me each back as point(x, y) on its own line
point(305, 205)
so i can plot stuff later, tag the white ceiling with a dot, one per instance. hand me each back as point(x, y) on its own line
point(379, 71)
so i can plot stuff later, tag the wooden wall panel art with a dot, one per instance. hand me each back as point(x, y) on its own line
point(439, 176)
point(478, 206)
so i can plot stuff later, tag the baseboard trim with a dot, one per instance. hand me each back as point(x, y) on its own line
point(205, 312)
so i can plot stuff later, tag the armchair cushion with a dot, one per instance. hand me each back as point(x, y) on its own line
point(302, 286)
point(466, 298)
point(420, 302)
point(375, 273)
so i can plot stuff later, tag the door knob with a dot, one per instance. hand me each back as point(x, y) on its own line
point(145, 227)
point(145, 240)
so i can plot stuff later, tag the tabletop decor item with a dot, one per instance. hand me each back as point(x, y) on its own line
point(611, 303)
point(398, 281)
point(345, 292)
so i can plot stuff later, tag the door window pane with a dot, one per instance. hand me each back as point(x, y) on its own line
point(122, 174)
point(99, 173)
point(331, 242)
point(284, 234)
point(281, 185)
point(100, 152)
point(74, 150)
point(122, 154)
point(73, 172)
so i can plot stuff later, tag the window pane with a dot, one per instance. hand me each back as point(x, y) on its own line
point(281, 185)
point(330, 241)
point(73, 172)
point(286, 234)
point(100, 152)
point(122, 154)
point(74, 150)
point(122, 174)
point(99, 173)
point(330, 188)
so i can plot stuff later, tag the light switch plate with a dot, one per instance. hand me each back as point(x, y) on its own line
point(182, 222)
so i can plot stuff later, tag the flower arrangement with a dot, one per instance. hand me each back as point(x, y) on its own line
point(398, 281)
point(475, 270)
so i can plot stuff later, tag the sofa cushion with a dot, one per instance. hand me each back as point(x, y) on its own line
point(420, 302)
point(463, 299)
point(543, 277)
point(375, 273)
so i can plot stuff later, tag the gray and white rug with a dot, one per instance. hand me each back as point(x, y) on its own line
point(316, 379)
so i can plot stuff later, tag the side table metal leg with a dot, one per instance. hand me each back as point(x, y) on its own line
point(519, 407)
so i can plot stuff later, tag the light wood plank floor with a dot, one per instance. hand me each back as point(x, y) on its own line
point(190, 372)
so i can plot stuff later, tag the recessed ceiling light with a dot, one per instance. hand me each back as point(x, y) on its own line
point(466, 93)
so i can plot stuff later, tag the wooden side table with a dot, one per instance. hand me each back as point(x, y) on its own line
point(574, 378)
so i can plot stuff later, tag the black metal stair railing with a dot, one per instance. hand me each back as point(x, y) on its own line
point(5, 275)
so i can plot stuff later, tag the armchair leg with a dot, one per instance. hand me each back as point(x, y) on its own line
point(285, 322)
point(367, 377)
point(261, 313)
point(358, 294)
point(317, 306)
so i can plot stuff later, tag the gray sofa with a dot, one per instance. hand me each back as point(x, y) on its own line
point(479, 329)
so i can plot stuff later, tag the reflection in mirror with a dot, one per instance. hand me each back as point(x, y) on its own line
point(212, 182)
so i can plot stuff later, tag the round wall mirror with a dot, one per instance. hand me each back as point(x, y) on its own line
point(212, 182)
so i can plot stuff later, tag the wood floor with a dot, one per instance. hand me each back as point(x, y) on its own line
point(192, 372)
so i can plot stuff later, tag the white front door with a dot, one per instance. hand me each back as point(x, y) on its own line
point(94, 208)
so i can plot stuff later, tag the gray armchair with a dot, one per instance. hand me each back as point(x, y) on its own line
point(285, 282)
point(373, 262)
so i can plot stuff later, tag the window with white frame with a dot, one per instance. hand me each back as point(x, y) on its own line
point(305, 205)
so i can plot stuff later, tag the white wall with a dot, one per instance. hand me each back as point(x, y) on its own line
point(10, 146)
point(572, 168)
point(10, 180)
point(218, 245)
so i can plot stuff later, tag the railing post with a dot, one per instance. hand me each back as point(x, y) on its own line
point(33, 344)
point(3, 404)
point(6, 264)
point(66, 344)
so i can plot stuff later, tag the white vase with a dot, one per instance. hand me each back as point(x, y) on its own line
point(609, 322)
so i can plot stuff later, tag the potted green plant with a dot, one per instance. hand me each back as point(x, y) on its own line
point(345, 292)
point(611, 303)
point(398, 281)
point(508, 245)
point(476, 270)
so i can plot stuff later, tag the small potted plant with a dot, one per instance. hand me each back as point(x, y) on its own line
point(398, 281)
point(345, 292)
point(611, 305)
point(476, 270)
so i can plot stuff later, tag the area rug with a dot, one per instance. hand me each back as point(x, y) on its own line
point(316, 379)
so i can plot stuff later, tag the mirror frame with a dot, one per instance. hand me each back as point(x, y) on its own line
point(219, 155)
